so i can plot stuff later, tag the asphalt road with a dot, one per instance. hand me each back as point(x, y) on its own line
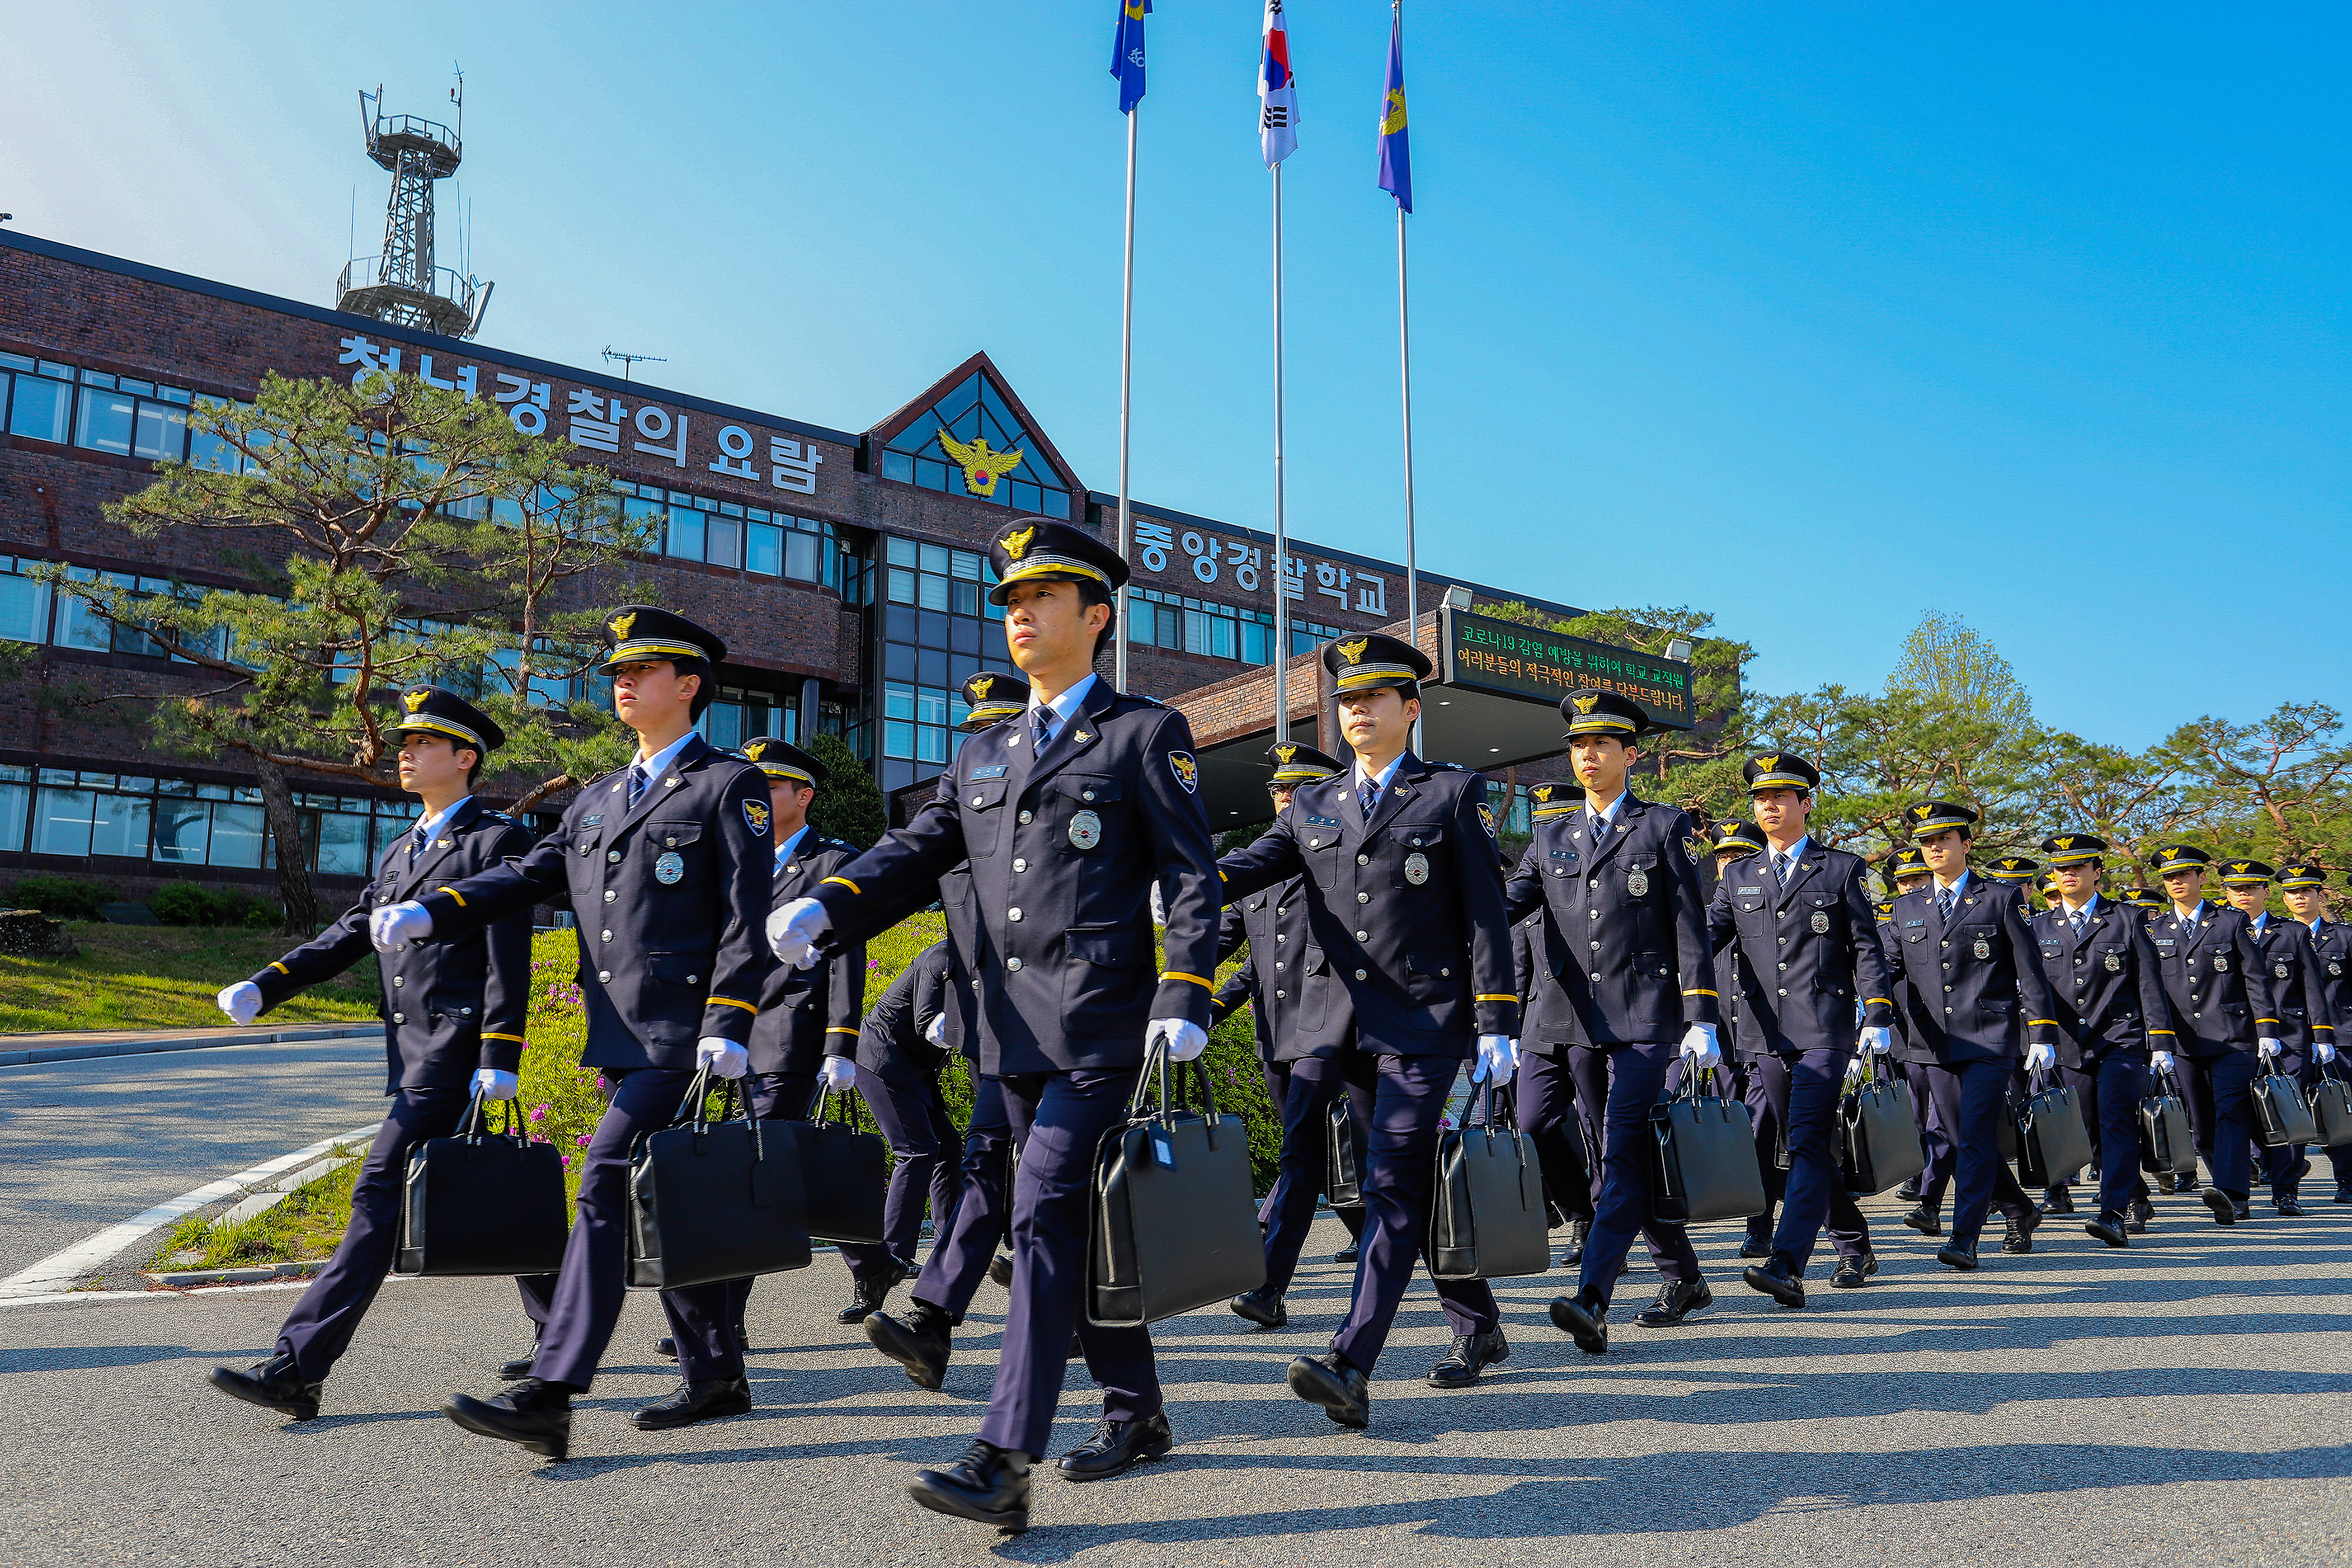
point(2184, 1402)
point(85, 1145)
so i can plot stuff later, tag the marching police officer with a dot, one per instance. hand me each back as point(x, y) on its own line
point(453, 1030)
point(1799, 917)
point(1557, 1127)
point(1068, 815)
point(2110, 1006)
point(2303, 885)
point(2299, 997)
point(1731, 842)
point(1626, 984)
point(899, 1056)
point(1905, 872)
point(1409, 963)
point(1968, 965)
point(2223, 1021)
point(667, 865)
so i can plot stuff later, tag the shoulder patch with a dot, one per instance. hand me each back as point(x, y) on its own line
point(755, 813)
point(1187, 770)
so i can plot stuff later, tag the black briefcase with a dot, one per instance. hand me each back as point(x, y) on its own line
point(483, 1202)
point(2165, 1141)
point(2331, 1108)
point(845, 1172)
point(711, 1200)
point(1174, 1218)
point(2281, 1115)
point(2053, 1141)
point(1486, 1217)
point(1343, 1158)
point(1702, 1159)
point(1878, 1144)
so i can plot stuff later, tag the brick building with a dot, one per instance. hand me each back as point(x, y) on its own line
point(846, 568)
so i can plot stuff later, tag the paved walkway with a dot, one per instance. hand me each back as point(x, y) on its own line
point(79, 1044)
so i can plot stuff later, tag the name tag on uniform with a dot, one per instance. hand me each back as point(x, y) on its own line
point(1322, 821)
point(1753, 892)
point(2163, 941)
point(1908, 924)
point(1565, 855)
point(998, 771)
point(592, 820)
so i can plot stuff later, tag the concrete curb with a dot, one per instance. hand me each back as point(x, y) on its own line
point(144, 1047)
point(180, 1279)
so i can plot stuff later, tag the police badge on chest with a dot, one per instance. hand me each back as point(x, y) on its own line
point(1637, 882)
point(1820, 923)
point(1085, 830)
point(2114, 963)
point(671, 868)
point(1416, 869)
point(1983, 948)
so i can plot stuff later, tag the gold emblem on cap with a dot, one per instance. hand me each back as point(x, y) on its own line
point(1541, 792)
point(2239, 868)
point(621, 624)
point(1284, 753)
point(414, 699)
point(979, 685)
point(1921, 811)
point(1016, 544)
point(1767, 764)
point(2065, 843)
point(757, 750)
point(1353, 649)
point(1586, 704)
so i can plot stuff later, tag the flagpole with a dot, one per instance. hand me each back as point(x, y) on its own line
point(1405, 365)
point(1126, 388)
point(1281, 535)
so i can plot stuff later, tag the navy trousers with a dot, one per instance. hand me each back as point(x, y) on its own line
point(1969, 1098)
point(1057, 1120)
point(912, 1115)
point(1800, 1095)
point(319, 1328)
point(1398, 1101)
point(2109, 1093)
point(1933, 1140)
point(784, 1097)
point(967, 1244)
point(589, 1290)
point(1617, 1085)
point(2221, 1115)
point(1548, 1115)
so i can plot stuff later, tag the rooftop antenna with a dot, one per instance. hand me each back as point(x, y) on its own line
point(630, 361)
point(401, 285)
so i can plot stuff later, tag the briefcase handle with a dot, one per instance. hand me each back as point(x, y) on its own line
point(824, 1098)
point(1155, 1073)
point(734, 1105)
point(477, 1124)
point(1690, 1081)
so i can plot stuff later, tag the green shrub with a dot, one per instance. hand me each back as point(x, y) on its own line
point(62, 896)
point(850, 805)
point(192, 903)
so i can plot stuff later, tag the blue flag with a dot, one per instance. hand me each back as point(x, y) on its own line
point(1126, 53)
point(1396, 154)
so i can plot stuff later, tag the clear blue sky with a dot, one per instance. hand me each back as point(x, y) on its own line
point(1816, 316)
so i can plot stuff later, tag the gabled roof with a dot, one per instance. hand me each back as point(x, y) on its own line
point(1000, 407)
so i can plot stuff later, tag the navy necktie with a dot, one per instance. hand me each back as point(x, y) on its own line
point(1944, 899)
point(637, 781)
point(1780, 868)
point(1368, 794)
point(1045, 717)
point(2081, 919)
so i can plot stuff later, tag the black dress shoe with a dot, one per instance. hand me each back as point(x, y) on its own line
point(272, 1384)
point(1909, 1191)
point(1925, 1221)
point(2020, 1232)
point(533, 1415)
point(989, 1486)
point(1755, 1246)
point(1854, 1272)
point(2187, 1182)
point(1345, 1394)
point(1349, 1253)
point(2343, 1192)
point(1959, 1254)
point(2136, 1216)
point(1000, 1268)
point(703, 1399)
point(1263, 1307)
point(1471, 1354)
point(2224, 1211)
point(868, 1295)
point(2109, 1227)
point(521, 1366)
point(2291, 1208)
point(1117, 1448)
point(2057, 1200)
point(1578, 1231)
point(919, 1342)
point(2240, 1209)
point(666, 1348)
point(1584, 1318)
point(1676, 1300)
point(1778, 1280)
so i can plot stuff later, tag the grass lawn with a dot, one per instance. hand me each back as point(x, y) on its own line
point(307, 1224)
point(162, 976)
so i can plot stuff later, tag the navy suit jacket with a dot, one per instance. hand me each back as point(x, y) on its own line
point(2104, 984)
point(2215, 979)
point(1811, 952)
point(2331, 951)
point(1976, 991)
point(2298, 985)
point(1291, 1002)
point(807, 1015)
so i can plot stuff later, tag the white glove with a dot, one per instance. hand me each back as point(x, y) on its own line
point(492, 1084)
point(793, 930)
point(2267, 1047)
point(242, 1001)
point(936, 1031)
point(724, 1057)
point(1853, 1071)
point(1498, 1057)
point(395, 926)
point(838, 1073)
point(1699, 1049)
point(1878, 1042)
point(2160, 1059)
point(2040, 1057)
point(1184, 1038)
point(2324, 1051)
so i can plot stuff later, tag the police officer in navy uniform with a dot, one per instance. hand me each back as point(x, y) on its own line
point(1799, 915)
point(1730, 842)
point(667, 864)
point(1560, 1132)
point(2111, 1010)
point(2223, 1022)
point(1976, 999)
point(2015, 871)
point(1403, 891)
point(2302, 885)
point(2299, 997)
point(1627, 991)
point(453, 1030)
point(900, 1058)
point(1068, 815)
point(1904, 871)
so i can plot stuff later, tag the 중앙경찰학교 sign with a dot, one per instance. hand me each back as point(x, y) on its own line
point(1513, 660)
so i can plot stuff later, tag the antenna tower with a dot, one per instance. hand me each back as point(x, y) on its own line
point(401, 285)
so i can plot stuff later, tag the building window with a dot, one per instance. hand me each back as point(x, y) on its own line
point(1002, 457)
point(729, 534)
point(737, 716)
point(176, 823)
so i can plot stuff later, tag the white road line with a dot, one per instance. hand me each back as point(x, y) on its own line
point(64, 1268)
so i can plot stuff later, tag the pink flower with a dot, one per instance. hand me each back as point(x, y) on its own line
point(582, 1140)
point(540, 1138)
point(539, 1112)
point(567, 1161)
